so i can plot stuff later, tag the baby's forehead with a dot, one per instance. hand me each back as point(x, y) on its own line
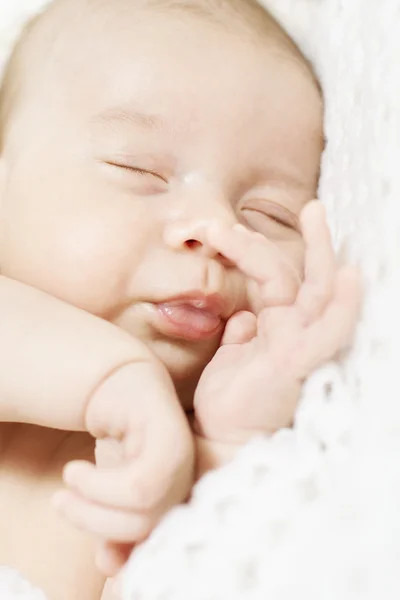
point(66, 24)
point(64, 37)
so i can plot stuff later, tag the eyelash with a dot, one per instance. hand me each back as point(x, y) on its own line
point(279, 221)
point(142, 172)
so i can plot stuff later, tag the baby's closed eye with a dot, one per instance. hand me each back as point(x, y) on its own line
point(142, 180)
point(136, 170)
point(270, 218)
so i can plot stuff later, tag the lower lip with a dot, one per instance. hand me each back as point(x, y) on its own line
point(187, 323)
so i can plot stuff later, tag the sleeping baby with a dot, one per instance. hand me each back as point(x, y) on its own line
point(167, 277)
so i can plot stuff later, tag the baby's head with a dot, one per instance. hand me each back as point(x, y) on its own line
point(126, 127)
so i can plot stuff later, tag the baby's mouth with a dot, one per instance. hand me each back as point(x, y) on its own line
point(191, 318)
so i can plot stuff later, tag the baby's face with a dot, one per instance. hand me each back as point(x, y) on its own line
point(156, 128)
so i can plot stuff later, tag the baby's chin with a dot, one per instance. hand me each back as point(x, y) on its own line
point(185, 363)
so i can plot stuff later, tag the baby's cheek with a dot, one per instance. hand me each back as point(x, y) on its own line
point(78, 271)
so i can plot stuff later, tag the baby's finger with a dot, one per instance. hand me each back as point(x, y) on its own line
point(107, 523)
point(111, 557)
point(240, 328)
point(334, 330)
point(143, 485)
point(279, 325)
point(108, 452)
point(117, 487)
point(157, 462)
point(259, 259)
point(320, 263)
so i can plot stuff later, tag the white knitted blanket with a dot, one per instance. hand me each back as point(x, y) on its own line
point(312, 513)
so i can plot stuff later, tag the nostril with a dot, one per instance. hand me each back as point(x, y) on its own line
point(192, 244)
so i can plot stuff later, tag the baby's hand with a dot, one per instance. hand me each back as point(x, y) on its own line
point(253, 383)
point(148, 464)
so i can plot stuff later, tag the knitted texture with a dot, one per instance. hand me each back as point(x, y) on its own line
point(312, 512)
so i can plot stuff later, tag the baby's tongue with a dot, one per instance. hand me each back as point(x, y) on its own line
point(192, 318)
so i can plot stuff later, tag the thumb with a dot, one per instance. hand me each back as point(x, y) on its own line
point(241, 328)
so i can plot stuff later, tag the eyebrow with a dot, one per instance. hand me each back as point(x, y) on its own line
point(128, 116)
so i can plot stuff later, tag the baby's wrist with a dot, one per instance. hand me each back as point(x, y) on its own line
point(211, 455)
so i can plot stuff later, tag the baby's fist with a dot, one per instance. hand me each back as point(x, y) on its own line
point(149, 456)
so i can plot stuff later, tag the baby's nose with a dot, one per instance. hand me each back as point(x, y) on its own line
point(191, 236)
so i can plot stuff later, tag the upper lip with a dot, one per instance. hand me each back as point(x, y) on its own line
point(213, 304)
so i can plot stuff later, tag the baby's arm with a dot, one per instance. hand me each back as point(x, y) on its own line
point(66, 369)
point(54, 356)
